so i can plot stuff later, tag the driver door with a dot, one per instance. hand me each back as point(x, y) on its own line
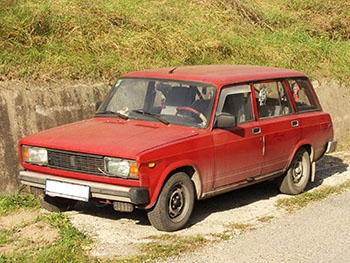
point(238, 150)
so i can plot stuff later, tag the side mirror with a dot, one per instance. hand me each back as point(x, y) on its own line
point(225, 120)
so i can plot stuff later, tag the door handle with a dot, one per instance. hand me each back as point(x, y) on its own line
point(295, 123)
point(256, 130)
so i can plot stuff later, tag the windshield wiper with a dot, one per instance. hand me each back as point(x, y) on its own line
point(120, 115)
point(155, 116)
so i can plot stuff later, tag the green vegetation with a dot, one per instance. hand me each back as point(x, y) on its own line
point(265, 219)
point(69, 247)
point(166, 246)
point(238, 228)
point(6, 236)
point(99, 40)
point(299, 201)
point(9, 204)
point(234, 229)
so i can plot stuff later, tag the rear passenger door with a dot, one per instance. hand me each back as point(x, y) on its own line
point(238, 150)
point(280, 127)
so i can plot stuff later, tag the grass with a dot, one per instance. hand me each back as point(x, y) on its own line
point(294, 203)
point(6, 236)
point(233, 229)
point(165, 246)
point(10, 204)
point(70, 246)
point(99, 40)
point(265, 219)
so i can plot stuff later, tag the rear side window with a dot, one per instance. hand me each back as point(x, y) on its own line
point(303, 96)
point(272, 99)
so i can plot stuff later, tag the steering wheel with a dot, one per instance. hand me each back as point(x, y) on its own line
point(193, 112)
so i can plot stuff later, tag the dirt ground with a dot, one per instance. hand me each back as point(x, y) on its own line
point(118, 235)
point(112, 231)
point(28, 233)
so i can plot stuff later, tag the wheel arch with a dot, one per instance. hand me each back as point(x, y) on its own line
point(307, 146)
point(299, 171)
point(189, 170)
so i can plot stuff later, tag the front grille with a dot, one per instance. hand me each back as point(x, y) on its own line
point(77, 162)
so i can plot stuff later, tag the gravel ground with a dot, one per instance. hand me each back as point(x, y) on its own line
point(319, 233)
point(299, 237)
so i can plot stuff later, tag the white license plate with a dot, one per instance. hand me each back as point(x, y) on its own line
point(67, 190)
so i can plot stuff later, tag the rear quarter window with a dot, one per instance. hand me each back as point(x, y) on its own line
point(303, 95)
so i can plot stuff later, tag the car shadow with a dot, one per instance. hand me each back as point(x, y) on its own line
point(326, 167)
point(106, 211)
point(232, 200)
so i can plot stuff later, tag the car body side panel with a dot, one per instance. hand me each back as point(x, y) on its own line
point(317, 127)
point(281, 135)
point(198, 153)
point(238, 153)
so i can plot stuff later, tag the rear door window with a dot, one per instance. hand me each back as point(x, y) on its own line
point(272, 99)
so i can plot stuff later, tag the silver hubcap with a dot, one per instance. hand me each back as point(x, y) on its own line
point(298, 171)
point(176, 201)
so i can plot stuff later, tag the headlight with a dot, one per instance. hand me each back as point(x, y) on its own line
point(34, 155)
point(121, 168)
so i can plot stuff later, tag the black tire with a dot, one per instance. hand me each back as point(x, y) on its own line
point(174, 205)
point(295, 180)
point(52, 204)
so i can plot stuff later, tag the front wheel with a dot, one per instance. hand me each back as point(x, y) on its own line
point(52, 204)
point(295, 180)
point(174, 205)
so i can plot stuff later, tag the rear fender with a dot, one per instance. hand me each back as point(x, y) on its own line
point(307, 145)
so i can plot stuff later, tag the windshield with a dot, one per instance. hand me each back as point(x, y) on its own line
point(166, 101)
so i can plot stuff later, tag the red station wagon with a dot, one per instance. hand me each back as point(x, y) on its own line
point(164, 138)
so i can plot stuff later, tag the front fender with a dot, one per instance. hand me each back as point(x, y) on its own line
point(183, 165)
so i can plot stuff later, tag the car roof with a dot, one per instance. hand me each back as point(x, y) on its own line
point(218, 75)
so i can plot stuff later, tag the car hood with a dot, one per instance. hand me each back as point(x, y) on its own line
point(109, 136)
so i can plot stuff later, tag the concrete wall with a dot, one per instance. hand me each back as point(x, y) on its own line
point(335, 99)
point(28, 108)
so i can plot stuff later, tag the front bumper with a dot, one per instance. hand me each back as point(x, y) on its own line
point(133, 195)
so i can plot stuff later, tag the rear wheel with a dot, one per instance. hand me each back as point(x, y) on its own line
point(295, 180)
point(174, 205)
point(52, 204)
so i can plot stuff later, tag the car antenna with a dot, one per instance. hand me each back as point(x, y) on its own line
point(172, 70)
